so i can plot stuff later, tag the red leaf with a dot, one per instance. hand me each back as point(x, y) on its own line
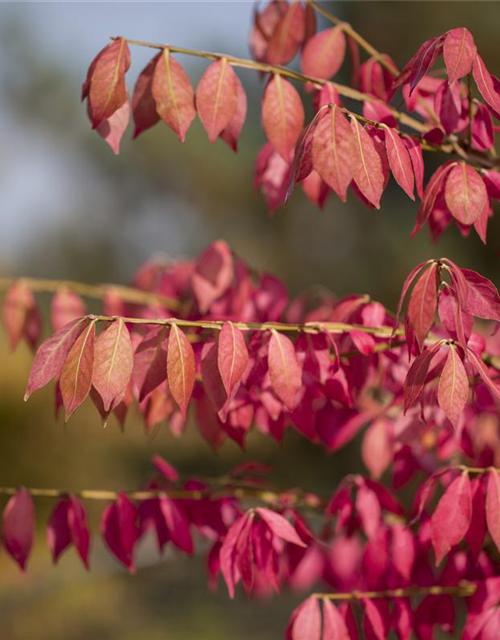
point(324, 53)
point(451, 520)
point(416, 68)
point(232, 131)
point(143, 102)
point(453, 388)
point(334, 626)
point(150, 362)
point(374, 622)
point(367, 167)
point(216, 97)
point(364, 342)
point(232, 356)
point(307, 623)
point(108, 91)
point(465, 193)
point(483, 134)
point(52, 353)
point(76, 374)
point(485, 84)
point(406, 286)
point(21, 315)
point(417, 160)
point(333, 150)
point(288, 35)
point(432, 192)
point(213, 274)
point(416, 376)
point(280, 526)
point(482, 370)
point(482, 298)
point(180, 368)
point(113, 362)
point(77, 521)
point(227, 552)
point(19, 527)
point(399, 161)
point(119, 530)
point(282, 115)
point(65, 307)
point(459, 52)
point(284, 369)
point(493, 506)
point(173, 94)
point(423, 303)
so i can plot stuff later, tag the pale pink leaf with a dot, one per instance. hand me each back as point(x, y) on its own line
point(324, 53)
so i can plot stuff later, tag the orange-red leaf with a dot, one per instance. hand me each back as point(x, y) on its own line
point(173, 94)
point(216, 97)
point(232, 356)
point(180, 368)
point(282, 115)
point(108, 91)
point(451, 520)
point(113, 363)
point(333, 150)
point(324, 53)
point(76, 374)
point(284, 369)
point(367, 166)
point(453, 387)
point(465, 193)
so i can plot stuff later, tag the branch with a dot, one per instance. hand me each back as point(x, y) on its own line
point(97, 291)
point(462, 590)
point(348, 92)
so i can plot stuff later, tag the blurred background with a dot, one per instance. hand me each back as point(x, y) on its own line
point(70, 209)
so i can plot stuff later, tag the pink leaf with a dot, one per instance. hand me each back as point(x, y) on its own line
point(173, 94)
point(150, 362)
point(416, 68)
point(423, 303)
point(108, 91)
point(280, 526)
point(482, 298)
point(112, 129)
point(232, 131)
point(213, 274)
point(284, 369)
point(324, 53)
point(399, 161)
point(493, 506)
point(451, 520)
point(465, 193)
point(76, 374)
point(482, 370)
point(288, 34)
point(459, 52)
point(232, 356)
point(416, 376)
point(453, 388)
point(20, 314)
point(65, 307)
point(485, 84)
point(282, 115)
point(307, 623)
point(180, 368)
point(52, 353)
point(367, 167)
point(216, 97)
point(417, 160)
point(333, 150)
point(113, 363)
point(19, 526)
point(334, 626)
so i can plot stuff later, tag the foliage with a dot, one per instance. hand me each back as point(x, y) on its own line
point(216, 339)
